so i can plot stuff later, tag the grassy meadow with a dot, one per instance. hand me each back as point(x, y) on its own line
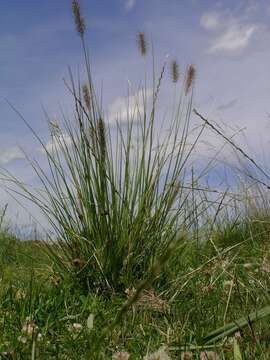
point(147, 260)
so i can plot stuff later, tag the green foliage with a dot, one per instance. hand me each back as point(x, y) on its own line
point(227, 290)
point(8, 248)
point(115, 197)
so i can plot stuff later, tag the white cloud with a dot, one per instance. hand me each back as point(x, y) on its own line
point(234, 39)
point(210, 20)
point(11, 154)
point(131, 107)
point(130, 4)
point(55, 143)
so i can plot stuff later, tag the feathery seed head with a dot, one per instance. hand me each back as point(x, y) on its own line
point(102, 138)
point(190, 78)
point(78, 18)
point(175, 71)
point(86, 96)
point(142, 43)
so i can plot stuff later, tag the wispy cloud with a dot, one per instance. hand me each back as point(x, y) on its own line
point(129, 5)
point(235, 38)
point(234, 29)
point(11, 154)
point(124, 109)
point(210, 20)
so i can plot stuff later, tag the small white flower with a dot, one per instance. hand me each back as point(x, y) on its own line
point(76, 327)
point(22, 339)
point(248, 266)
point(225, 264)
point(209, 355)
point(90, 321)
point(228, 284)
point(20, 295)
point(187, 355)
point(29, 326)
point(158, 355)
point(238, 335)
point(265, 266)
point(122, 355)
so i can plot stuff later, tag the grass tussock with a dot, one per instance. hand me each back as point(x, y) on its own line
point(113, 195)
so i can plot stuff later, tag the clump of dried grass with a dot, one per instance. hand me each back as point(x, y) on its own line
point(149, 300)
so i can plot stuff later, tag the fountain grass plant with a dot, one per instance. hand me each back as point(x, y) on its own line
point(115, 197)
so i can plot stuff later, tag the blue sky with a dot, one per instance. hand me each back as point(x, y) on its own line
point(227, 40)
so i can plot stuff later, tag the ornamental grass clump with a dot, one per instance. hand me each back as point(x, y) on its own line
point(114, 196)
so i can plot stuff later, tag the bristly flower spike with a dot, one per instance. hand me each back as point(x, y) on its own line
point(86, 96)
point(190, 78)
point(78, 18)
point(175, 71)
point(102, 139)
point(142, 44)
